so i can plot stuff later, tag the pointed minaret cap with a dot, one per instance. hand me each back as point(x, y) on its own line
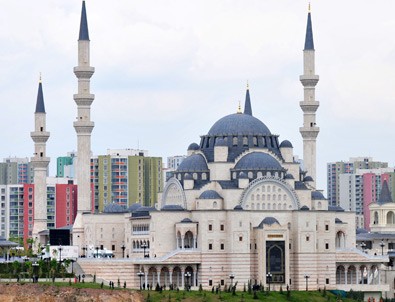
point(309, 42)
point(385, 194)
point(40, 108)
point(247, 104)
point(84, 34)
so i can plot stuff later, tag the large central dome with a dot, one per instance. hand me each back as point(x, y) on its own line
point(239, 124)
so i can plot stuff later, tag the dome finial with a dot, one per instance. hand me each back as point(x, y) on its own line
point(248, 86)
point(239, 108)
point(309, 8)
point(39, 80)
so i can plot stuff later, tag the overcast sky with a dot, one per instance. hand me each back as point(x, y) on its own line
point(167, 70)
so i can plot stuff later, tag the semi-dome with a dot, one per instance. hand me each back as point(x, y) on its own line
point(286, 144)
point(195, 162)
point(268, 221)
point(193, 147)
point(308, 179)
point(317, 195)
point(239, 124)
point(289, 176)
point(210, 194)
point(258, 161)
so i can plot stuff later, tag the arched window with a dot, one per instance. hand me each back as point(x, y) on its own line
point(252, 197)
point(195, 176)
point(340, 240)
point(235, 141)
point(258, 197)
point(245, 141)
point(215, 204)
point(376, 218)
point(250, 175)
point(259, 174)
point(204, 176)
point(390, 217)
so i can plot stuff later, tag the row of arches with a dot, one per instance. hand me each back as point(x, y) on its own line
point(269, 206)
point(358, 274)
point(274, 197)
point(177, 277)
point(140, 245)
point(186, 241)
point(390, 217)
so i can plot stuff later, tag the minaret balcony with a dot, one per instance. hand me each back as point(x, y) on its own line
point(39, 137)
point(84, 72)
point(83, 127)
point(309, 132)
point(309, 106)
point(309, 80)
point(40, 162)
point(84, 99)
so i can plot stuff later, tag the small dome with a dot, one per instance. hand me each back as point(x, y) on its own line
point(289, 176)
point(308, 179)
point(258, 161)
point(286, 144)
point(145, 209)
point(317, 195)
point(186, 220)
point(220, 143)
point(193, 147)
point(172, 207)
point(335, 209)
point(243, 175)
point(134, 207)
point(268, 221)
point(114, 208)
point(238, 124)
point(188, 176)
point(238, 208)
point(194, 163)
point(338, 221)
point(210, 194)
point(305, 208)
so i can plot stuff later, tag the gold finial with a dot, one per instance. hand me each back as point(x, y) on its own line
point(40, 78)
point(248, 86)
point(309, 7)
point(239, 108)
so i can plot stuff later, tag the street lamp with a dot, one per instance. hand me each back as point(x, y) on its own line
point(187, 275)
point(231, 276)
point(72, 265)
point(269, 276)
point(140, 274)
point(363, 246)
point(123, 247)
point(144, 246)
point(60, 253)
point(307, 281)
point(97, 252)
point(382, 244)
point(35, 279)
point(84, 248)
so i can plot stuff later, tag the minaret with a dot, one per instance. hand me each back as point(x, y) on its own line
point(40, 165)
point(83, 126)
point(247, 104)
point(309, 105)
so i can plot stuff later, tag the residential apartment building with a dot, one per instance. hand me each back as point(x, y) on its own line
point(65, 165)
point(14, 170)
point(335, 169)
point(173, 162)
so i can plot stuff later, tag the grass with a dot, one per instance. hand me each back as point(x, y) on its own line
point(296, 296)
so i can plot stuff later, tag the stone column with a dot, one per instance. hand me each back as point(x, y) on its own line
point(345, 274)
point(170, 276)
point(182, 277)
point(158, 275)
point(182, 243)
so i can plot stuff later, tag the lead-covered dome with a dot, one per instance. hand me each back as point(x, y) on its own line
point(239, 124)
point(193, 163)
point(258, 161)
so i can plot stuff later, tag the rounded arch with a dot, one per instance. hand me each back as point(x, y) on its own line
point(340, 275)
point(375, 217)
point(268, 183)
point(390, 217)
point(340, 240)
point(173, 194)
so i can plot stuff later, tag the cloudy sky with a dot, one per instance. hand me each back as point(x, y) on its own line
point(167, 70)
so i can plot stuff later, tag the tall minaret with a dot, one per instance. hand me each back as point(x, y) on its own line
point(309, 105)
point(83, 126)
point(40, 163)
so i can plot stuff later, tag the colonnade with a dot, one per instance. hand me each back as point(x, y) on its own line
point(358, 274)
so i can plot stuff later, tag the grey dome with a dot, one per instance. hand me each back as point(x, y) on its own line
point(186, 220)
point(193, 147)
point(114, 208)
point(239, 124)
point(289, 176)
point(194, 163)
point(335, 209)
point(268, 221)
point(317, 195)
point(286, 144)
point(308, 178)
point(134, 207)
point(238, 208)
point(305, 208)
point(210, 194)
point(220, 143)
point(258, 161)
point(172, 207)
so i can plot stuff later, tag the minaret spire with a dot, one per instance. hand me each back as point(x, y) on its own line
point(40, 164)
point(247, 104)
point(309, 105)
point(83, 127)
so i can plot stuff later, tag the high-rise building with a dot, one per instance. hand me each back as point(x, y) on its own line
point(335, 169)
point(14, 170)
point(173, 163)
point(65, 165)
point(126, 176)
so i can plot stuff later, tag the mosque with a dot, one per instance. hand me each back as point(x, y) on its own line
point(239, 208)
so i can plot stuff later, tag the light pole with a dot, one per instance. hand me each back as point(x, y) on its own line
point(72, 265)
point(97, 252)
point(140, 274)
point(269, 278)
point(231, 276)
point(60, 253)
point(382, 244)
point(123, 247)
point(144, 246)
point(307, 281)
point(84, 248)
point(35, 264)
point(363, 246)
point(187, 275)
